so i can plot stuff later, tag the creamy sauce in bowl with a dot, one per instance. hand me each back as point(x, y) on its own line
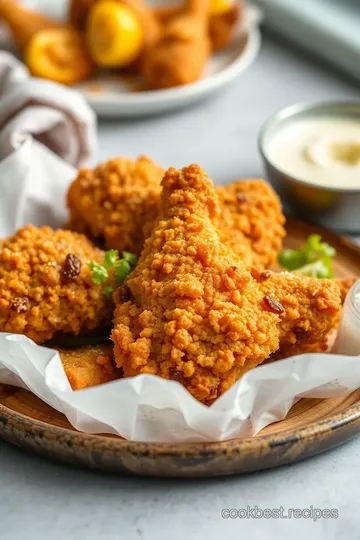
point(320, 150)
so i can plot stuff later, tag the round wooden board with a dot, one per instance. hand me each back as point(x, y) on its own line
point(312, 425)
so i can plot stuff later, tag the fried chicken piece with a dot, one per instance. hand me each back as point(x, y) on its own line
point(115, 200)
point(221, 26)
point(252, 222)
point(89, 366)
point(327, 340)
point(78, 12)
point(46, 285)
point(195, 314)
point(298, 348)
point(345, 285)
point(119, 201)
point(23, 22)
point(180, 54)
point(149, 23)
point(311, 306)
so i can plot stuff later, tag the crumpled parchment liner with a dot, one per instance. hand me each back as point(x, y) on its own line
point(148, 408)
point(33, 185)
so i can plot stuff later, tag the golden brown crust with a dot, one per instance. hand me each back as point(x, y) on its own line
point(195, 315)
point(180, 54)
point(221, 26)
point(311, 306)
point(46, 286)
point(78, 12)
point(345, 285)
point(115, 200)
point(252, 222)
point(119, 201)
point(89, 366)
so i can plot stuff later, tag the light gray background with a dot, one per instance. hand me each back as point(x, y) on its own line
point(44, 500)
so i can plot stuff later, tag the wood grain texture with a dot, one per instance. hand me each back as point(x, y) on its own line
point(312, 425)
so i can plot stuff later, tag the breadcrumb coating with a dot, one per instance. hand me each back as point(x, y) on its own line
point(345, 285)
point(252, 222)
point(195, 314)
point(119, 201)
point(305, 340)
point(311, 306)
point(115, 200)
point(89, 366)
point(46, 286)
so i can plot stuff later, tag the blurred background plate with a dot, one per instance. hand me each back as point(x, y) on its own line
point(121, 95)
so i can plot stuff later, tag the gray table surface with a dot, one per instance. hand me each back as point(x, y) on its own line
point(40, 499)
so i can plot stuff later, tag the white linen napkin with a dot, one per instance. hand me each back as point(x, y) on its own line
point(47, 131)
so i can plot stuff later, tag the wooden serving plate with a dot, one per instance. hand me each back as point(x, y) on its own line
point(312, 425)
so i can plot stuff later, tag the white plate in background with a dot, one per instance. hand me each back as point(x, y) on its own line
point(111, 95)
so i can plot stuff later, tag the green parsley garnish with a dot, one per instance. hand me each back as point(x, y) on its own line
point(108, 291)
point(112, 260)
point(99, 273)
point(122, 270)
point(314, 259)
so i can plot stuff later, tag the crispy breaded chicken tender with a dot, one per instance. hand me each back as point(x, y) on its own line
point(115, 200)
point(119, 202)
point(195, 314)
point(252, 222)
point(89, 366)
point(46, 285)
point(310, 306)
point(302, 298)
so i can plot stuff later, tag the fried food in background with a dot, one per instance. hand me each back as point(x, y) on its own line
point(78, 12)
point(221, 25)
point(180, 54)
point(119, 201)
point(24, 23)
point(59, 54)
point(168, 46)
point(195, 314)
point(89, 366)
point(115, 200)
point(51, 50)
point(252, 222)
point(46, 285)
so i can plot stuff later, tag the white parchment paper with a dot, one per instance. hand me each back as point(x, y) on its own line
point(148, 408)
point(33, 184)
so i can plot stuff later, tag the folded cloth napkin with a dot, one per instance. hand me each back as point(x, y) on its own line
point(46, 132)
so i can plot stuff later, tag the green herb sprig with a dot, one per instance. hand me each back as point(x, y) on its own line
point(314, 259)
point(122, 266)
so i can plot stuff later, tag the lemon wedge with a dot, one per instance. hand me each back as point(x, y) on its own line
point(58, 54)
point(220, 6)
point(113, 34)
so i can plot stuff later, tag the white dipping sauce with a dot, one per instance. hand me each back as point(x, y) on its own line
point(321, 150)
